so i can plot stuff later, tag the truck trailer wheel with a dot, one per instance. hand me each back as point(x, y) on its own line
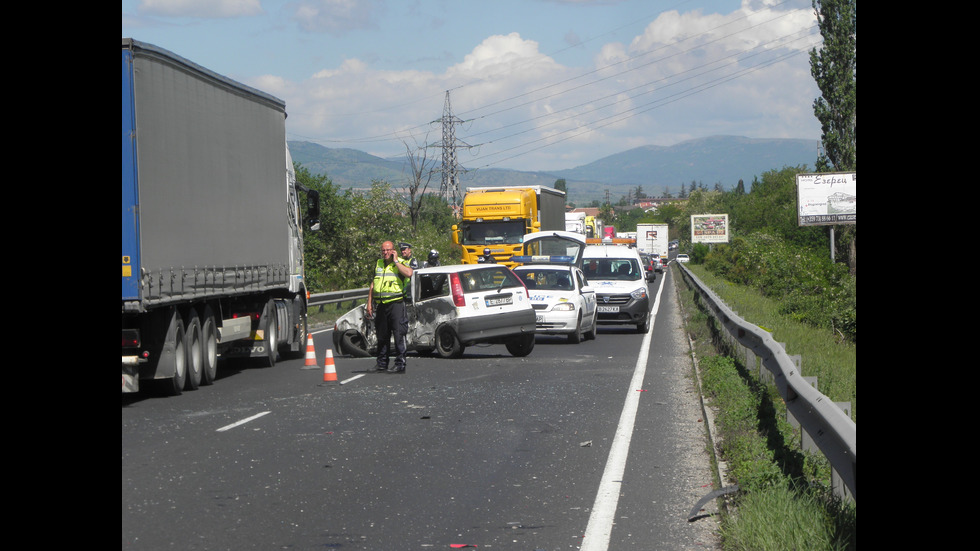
point(209, 341)
point(270, 324)
point(175, 363)
point(195, 350)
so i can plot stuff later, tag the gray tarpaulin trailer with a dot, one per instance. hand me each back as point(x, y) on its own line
point(211, 223)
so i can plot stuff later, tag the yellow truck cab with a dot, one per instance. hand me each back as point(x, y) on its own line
point(498, 218)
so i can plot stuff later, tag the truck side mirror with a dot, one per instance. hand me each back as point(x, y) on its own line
point(455, 234)
point(313, 209)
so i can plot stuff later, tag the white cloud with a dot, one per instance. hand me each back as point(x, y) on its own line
point(687, 75)
point(500, 53)
point(201, 8)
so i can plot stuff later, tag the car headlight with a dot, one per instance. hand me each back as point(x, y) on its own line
point(565, 306)
point(639, 293)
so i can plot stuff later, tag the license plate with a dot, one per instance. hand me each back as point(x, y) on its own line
point(538, 319)
point(608, 309)
point(499, 301)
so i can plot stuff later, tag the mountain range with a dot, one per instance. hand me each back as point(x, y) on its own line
point(658, 169)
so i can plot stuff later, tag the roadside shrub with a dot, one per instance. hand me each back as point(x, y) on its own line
point(812, 289)
point(698, 253)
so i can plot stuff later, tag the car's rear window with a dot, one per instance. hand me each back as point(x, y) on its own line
point(488, 279)
point(547, 279)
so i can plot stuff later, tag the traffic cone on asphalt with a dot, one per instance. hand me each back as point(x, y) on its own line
point(310, 354)
point(329, 370)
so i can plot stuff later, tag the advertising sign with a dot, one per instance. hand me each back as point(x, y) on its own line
point(709, 228)
point(827, 198)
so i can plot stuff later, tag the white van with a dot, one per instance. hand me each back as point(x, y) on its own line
point(618, 277)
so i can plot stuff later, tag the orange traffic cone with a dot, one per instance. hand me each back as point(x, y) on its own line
point(310, 354)
point(329, 371)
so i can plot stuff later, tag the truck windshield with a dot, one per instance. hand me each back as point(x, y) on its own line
point(489, 233)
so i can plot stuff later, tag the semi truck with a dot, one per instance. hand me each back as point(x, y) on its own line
point(652, 238)
point(497, 218)
point(212, 224)
point(575, 222)
point(593, 227)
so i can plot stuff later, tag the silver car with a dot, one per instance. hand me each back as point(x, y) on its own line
point(450, 308)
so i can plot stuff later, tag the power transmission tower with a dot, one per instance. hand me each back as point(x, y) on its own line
point(450, 168)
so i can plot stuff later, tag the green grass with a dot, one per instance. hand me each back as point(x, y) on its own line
point(785, 499)
point(823, 354)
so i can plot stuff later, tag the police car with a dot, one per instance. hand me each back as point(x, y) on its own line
point(450, 308)
point(564, 302)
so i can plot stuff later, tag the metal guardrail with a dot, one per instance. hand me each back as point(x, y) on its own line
point(830, 427)
point(333, 297)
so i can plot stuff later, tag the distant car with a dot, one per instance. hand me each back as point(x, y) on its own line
point(450, 308)
point(563, 301)
point(657, 266)
point(683, 258)
point(663, 262)
point(649, 265)
point(615, 273)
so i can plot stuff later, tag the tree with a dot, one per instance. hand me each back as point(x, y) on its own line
point(834, 68)
point(419, 180)
point(560, 185)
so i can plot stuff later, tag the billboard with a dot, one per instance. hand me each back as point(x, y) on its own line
point(709, 228)
point(826, 198)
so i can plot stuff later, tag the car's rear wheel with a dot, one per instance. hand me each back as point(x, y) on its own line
point(522, 345)
point(447, 343)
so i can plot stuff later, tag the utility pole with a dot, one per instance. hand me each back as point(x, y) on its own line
point(450, 168)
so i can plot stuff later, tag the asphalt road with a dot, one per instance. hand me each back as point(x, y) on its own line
point(598, 445)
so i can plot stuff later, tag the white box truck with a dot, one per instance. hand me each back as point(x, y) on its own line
point(652, 238)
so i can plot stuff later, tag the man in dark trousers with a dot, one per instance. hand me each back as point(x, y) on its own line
point(391, 277)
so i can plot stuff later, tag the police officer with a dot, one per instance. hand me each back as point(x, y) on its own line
point(487, 258)
point(406, 250)
point(391, 276)
point(432, 260)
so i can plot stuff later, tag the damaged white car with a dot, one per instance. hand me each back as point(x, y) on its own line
point(450, 308)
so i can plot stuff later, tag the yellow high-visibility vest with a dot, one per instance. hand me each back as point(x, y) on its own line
point(389, 284)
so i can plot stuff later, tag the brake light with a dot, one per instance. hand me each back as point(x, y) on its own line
point(457, 289)
point(130, 338)
point(254, 316)
point(526, 292)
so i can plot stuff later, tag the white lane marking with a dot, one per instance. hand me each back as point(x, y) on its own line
point(243, 421)
point(599, 530)
point(345, 381)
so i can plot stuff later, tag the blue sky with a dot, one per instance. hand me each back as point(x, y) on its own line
point(537, 84)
